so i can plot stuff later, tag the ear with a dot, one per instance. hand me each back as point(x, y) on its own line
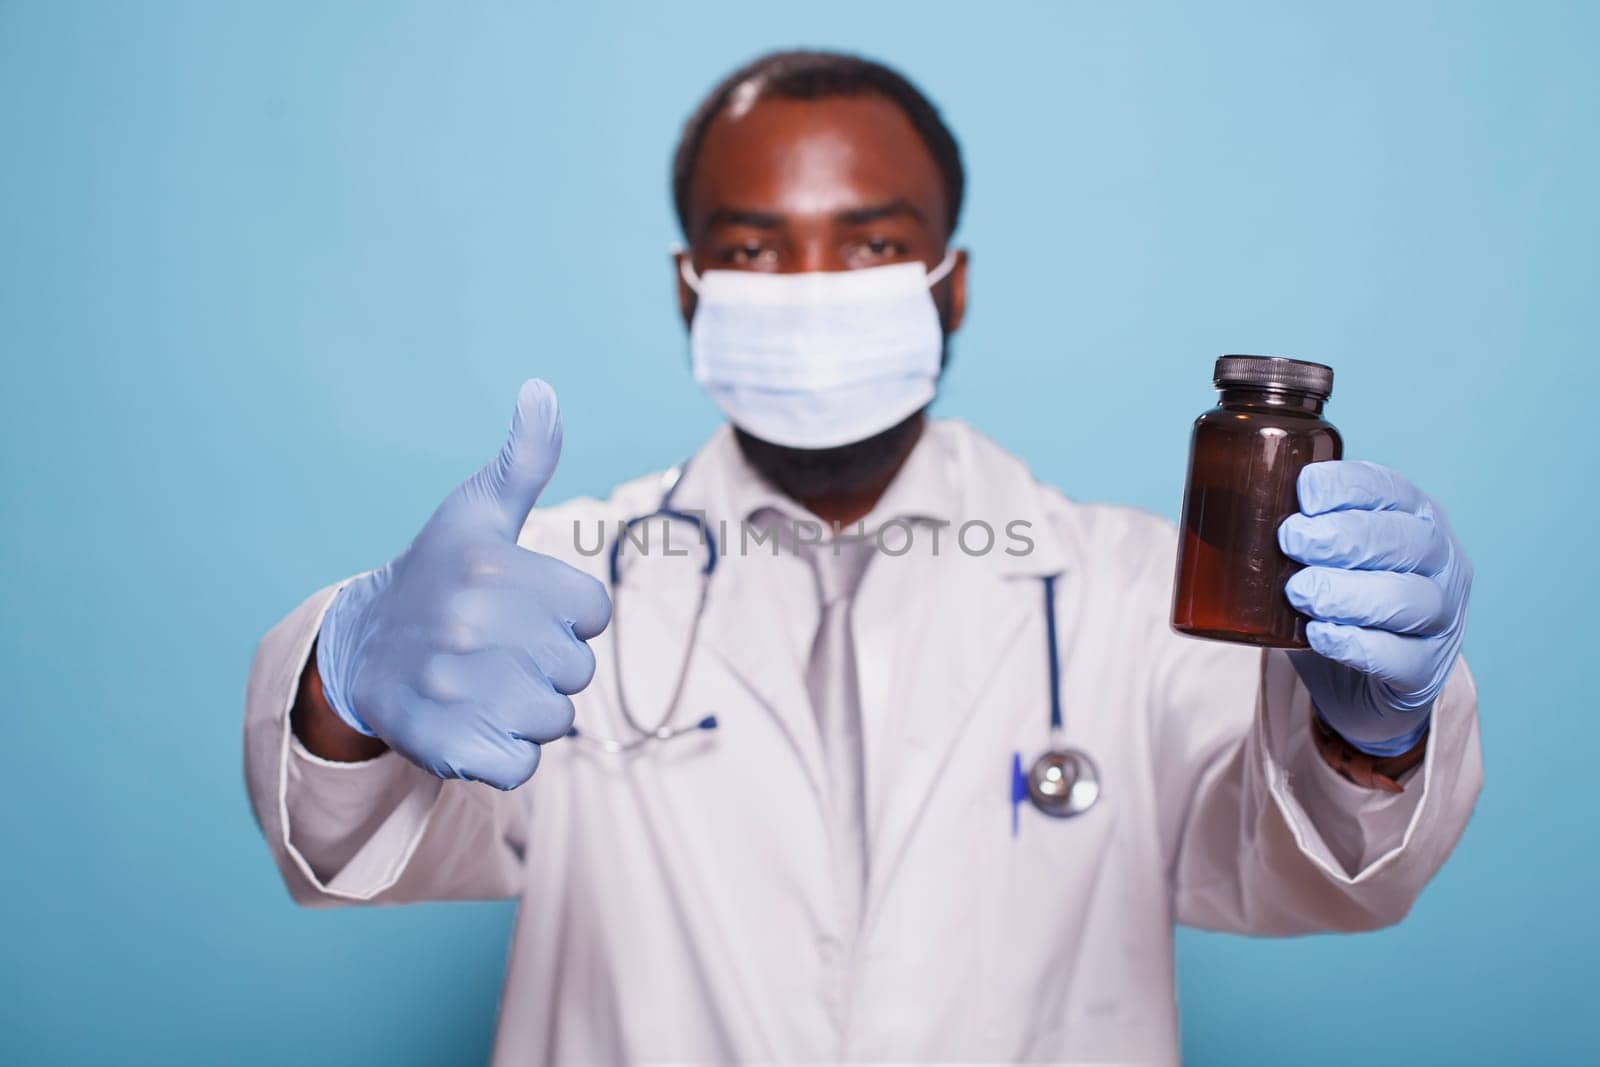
point(686, 296)
point(954, 285)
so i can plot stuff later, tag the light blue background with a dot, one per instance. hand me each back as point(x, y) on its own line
point(269, 279)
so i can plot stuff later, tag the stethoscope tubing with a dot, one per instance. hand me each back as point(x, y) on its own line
point(1063, 781)
point(662, 730)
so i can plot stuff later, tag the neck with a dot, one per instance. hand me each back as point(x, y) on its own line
point(844, 508)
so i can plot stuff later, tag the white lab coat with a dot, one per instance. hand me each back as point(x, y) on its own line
point(676, 904)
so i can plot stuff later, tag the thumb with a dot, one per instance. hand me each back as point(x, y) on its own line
point(507, 487)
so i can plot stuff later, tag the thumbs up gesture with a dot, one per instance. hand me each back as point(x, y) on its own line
point(462, 652)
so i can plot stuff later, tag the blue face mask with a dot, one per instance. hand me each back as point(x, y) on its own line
point(818, 359)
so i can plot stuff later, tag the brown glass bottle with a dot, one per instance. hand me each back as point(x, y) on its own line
point(1243, 462)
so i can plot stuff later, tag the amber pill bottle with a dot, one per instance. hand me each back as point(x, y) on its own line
point(1243, 461)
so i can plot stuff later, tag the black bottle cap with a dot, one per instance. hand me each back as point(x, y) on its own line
point(1274, 372)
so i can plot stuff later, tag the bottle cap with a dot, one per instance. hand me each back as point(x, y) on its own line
point(1274, 372)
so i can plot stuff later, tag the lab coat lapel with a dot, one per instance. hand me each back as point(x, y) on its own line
point(756, 653)
point(938, 686)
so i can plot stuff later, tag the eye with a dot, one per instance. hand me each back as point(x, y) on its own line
point(876, 249)
point(749, 255)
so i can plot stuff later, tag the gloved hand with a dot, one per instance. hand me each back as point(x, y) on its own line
point(461, 652)
point(1386, 587)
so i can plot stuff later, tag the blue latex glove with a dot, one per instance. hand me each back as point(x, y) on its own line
point(462, 651)
point(1386, 587)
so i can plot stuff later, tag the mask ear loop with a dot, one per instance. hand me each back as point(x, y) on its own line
point(942, 271)
point(686, 271)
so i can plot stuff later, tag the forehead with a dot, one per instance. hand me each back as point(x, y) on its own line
point(804, 157)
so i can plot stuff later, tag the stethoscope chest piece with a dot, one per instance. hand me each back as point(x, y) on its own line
point(1063, 782)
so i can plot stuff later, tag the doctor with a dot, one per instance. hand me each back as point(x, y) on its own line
point(820, 864)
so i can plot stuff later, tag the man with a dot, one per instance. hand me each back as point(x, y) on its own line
point(784, 829)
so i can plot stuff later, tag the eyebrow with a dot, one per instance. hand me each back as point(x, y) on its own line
point(734, 216)
point(855, 216)
point(860, 216)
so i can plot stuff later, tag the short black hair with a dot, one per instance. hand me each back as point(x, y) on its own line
point(815, 76)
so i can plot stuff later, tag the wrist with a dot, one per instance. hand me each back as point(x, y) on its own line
point(1361, 767)
point(338, 643)
point(1387, 748)
point(321, 730)
point(1372, 721)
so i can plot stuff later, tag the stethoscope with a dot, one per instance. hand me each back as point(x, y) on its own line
point(1062, 782)
point(663, 730)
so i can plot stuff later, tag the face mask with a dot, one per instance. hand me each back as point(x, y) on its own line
point(817, 359)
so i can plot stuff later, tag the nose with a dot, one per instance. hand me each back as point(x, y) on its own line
point(815, 250)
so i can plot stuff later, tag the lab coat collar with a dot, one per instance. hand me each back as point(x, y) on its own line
point(997, 489)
